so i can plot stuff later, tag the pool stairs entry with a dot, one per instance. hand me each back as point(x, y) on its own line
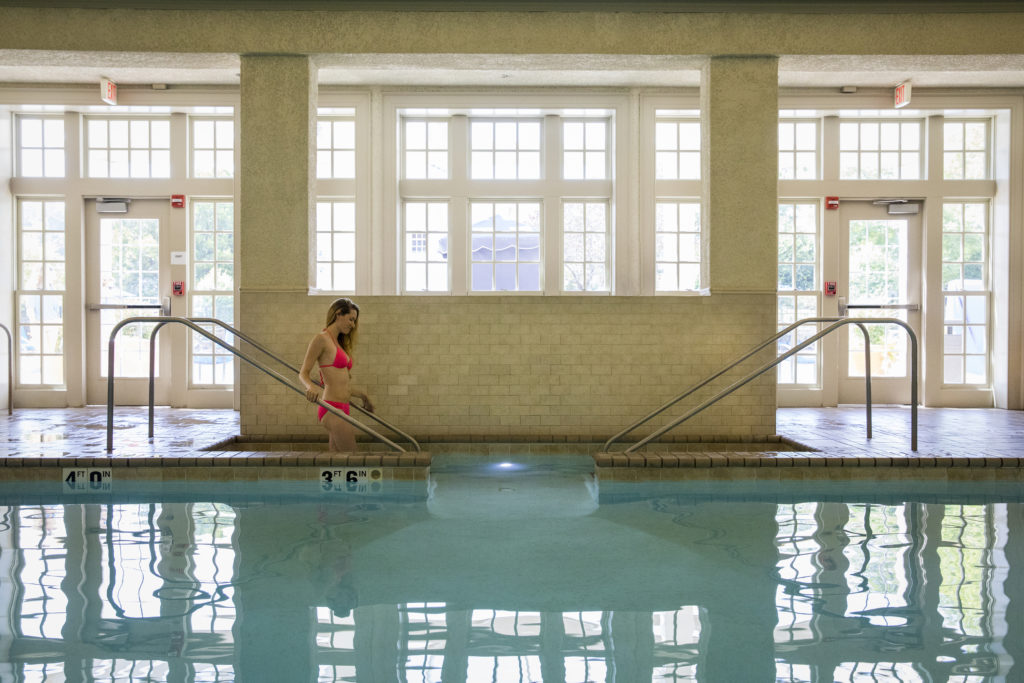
point(833, 324)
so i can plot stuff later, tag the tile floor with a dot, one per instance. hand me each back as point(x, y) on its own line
point(946, 437)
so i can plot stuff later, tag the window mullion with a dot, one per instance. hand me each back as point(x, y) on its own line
point(458, 208)
point(552, 206)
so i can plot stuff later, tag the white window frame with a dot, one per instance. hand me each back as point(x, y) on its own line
point(216, 351)
point(551, 188)
point(347, 105)
point(963, 150)
point(795, 150)
point(652, 189)
point(149, 119)
point(41, 293)
point(806, 331)
point(45, 162)
point(218, 147)
point(984, 293)
point(921, 151)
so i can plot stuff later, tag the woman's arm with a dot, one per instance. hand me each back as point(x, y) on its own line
point(313, 389)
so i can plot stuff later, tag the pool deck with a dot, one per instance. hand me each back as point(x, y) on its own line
point(948, 438)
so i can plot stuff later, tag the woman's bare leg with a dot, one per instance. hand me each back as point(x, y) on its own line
point(342, 436)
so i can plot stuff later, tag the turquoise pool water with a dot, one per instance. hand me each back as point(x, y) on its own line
point(506, 569)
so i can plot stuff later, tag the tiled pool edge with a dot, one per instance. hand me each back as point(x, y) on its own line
point(803, 465)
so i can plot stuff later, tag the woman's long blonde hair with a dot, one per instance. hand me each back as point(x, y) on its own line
point(344, 306)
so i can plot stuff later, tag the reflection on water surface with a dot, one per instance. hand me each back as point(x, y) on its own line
point(514, 578)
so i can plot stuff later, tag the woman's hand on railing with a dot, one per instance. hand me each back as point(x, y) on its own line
point(367, 404)
point(313, 395)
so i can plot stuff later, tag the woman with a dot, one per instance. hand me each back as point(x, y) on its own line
point(331, 350)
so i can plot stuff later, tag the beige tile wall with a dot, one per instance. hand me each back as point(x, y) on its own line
point(520, 368)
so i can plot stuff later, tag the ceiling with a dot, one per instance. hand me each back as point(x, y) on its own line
point(476, 70)
point(488, 70)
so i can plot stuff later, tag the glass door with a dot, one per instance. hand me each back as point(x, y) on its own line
point(127, 262)
point(880, 277)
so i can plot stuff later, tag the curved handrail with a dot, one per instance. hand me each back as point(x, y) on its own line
point(799, 347)
point(228, 347)
point(710, 378)
point(259, 347)
point(10, 370)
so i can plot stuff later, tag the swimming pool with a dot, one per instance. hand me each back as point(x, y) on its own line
point(513, 569)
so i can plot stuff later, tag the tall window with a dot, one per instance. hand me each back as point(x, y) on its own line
point(336, 147)
point(128, 148)
point(505, 150)
point(585, 247)
point(965, 150)
point(426, 148)
point(336, 246)
point(965, 292)
point(885, 150)
point(505, 200)
point(41, 147)
point(677, 246)
point(506, 250)
point(677, 147)
point(426, 246)
point(585, 150)
point(798, 289)
point(41, 292)
point(213, 288)
point(678, 243)
point(213, 148)
point(798, 150)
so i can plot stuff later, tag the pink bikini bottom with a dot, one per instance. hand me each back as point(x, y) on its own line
point(321, 411)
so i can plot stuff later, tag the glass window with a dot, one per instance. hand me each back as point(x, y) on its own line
point(41, 147)
point(585, 150)
point(426, 246)
point(505, 246)
point(677, 246)
point(505, 150)
point(213, 148)
point(798, 289)
point(965, 293)
point(585, 247)
point(488, 210)
point(213, 289)
point(880, 150)
point(425, 147)
point(128, 148)
point(41, 291)
point(798, 150)
point(965, 150)
point(336, 147)
point(676, 148)
point(336, 245)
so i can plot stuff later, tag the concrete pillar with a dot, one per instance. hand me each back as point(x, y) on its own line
point(276, 178)
point(739, 134)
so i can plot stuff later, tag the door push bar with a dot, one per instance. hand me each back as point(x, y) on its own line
point(844, 307)
point(164, 308)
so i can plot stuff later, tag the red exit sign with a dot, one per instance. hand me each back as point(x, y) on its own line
point(108, 91)
point(901, 95)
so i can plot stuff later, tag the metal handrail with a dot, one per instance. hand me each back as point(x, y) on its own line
point(799, 347)
point(10, 370)
point(710, 378)
point(195, 328)
point(259, 347)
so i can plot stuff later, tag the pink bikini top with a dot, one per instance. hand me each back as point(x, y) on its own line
point(341, 360)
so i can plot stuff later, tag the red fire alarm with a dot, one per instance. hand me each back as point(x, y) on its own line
point(831, 203)
point(830, 289)
point(178, 201)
